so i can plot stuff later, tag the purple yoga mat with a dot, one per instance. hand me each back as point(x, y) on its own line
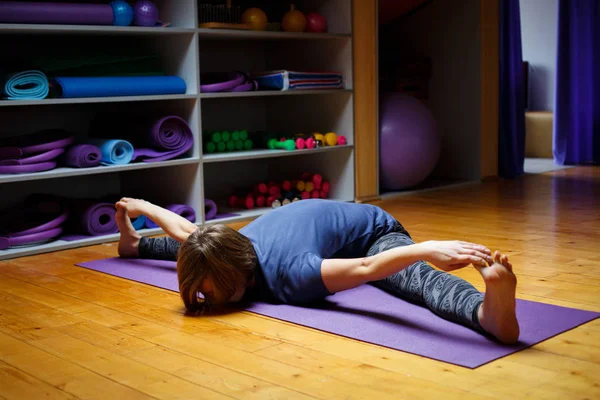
point(168, 138)
point(82, 156)
point(36, 143)
point(374, 316)
point(23, 12)
point(91, 218)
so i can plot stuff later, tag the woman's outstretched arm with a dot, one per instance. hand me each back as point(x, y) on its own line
point(343, 274)
point(173, 224)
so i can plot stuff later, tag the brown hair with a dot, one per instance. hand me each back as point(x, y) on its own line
point(216, 251)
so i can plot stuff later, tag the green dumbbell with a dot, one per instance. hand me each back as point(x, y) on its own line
point(239, 145)
point(248, 144)
point(235, 136)
point(215, 137)
point(243, 134)
point(285, 145)
point(221, 147)
point(225, 136)
point(211, 147)
point(230, 145)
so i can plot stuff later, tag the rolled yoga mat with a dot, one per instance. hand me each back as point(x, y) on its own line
point(210, 209)
point(186, 212)
point(168, 138)
point(25, 12)
point(71, 87)
point(374, 316)
point(36, 143)
point(82, 156)
point(113, 151)
point(90, 218)
point(26, 85)
point(29, 226)
point(139, 222)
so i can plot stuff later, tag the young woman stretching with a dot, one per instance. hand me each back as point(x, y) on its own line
point(310, 249)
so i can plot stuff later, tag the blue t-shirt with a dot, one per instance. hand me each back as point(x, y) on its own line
point(292, 241)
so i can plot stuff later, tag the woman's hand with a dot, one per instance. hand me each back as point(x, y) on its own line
point(451, 255)
point(133, 207)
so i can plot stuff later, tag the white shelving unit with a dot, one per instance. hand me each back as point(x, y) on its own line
point(186, 51)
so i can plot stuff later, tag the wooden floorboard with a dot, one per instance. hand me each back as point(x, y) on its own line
point(71, 333)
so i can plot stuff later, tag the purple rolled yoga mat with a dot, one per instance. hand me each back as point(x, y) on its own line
point(168, 138)
point(375, 316)
point(36, 143)
point(36, 159)
point(26, 12)
point(183, 210)
point(210, 209)
point(92, 218)
point(29, 240)
point(28, 168)
point(82, 156)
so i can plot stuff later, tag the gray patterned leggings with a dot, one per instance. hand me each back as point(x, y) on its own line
point(444, 294)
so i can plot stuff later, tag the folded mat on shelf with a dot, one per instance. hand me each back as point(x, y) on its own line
point(374, 316)
point(211, 211)
point(29, 12)
point(35, 152)
point(168, 138)
point(82, 156)
point(182, 210)
point(98, 86)
point(113, 151)
point(233, 81)
point(31, 223)
point(297, 80)
point(26, 85)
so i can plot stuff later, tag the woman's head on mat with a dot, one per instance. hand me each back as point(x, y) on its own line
point(216, 262)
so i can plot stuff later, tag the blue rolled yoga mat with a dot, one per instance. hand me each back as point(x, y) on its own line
point(26, 85)
point(114, 151)
point(70, 87)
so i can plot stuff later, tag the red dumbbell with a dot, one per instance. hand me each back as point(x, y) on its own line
point(325, 186)
point(239, 202)
point(270, 200)
point(300, 143)
point(286, 186)
point(261, 188)
point(315, 194)
point(310, 143)
point(317, 180)
point(260, 201)
point(323, 195)
point(341, 140)
point(305, 195)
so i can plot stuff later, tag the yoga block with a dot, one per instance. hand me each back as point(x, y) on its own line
point(538, 136)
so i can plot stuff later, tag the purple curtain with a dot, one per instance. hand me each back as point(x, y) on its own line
point(577, 95)
point(511, 132)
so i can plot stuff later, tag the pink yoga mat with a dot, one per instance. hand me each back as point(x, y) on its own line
point(374, 316)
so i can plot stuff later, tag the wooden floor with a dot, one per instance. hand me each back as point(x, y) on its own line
point(67, 332)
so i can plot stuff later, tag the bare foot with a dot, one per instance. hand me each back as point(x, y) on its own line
point(497, 314)
point(130, 239)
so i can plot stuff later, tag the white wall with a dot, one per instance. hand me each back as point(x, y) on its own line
point(539, 21)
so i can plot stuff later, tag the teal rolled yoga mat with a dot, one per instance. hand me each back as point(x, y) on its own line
point(114, 151)
point(26, 85)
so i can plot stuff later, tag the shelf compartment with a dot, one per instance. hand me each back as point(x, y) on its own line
point(94, 100)
point(179, 14)
point(82, 120)
point(338, 14)
point(94, 55)
point(163, 186)
point(253, 154)
point(233, 34)
point(224, 179)
point(288, 114)
point(259, 56)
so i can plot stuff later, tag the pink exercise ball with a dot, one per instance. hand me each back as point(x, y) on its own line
point(409, 144)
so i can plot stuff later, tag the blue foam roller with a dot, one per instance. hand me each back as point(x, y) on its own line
point(139, 222)
point(107, 86)
point(114, 151)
